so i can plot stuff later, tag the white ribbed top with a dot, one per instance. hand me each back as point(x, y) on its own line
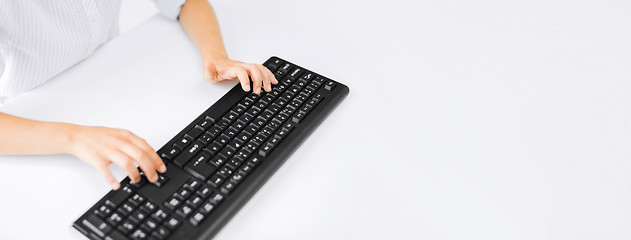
point(41, 38)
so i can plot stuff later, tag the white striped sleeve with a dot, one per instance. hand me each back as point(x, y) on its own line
point(3, 43)
point(170, 8)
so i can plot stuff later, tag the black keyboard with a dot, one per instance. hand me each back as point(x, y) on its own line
point(217, 162)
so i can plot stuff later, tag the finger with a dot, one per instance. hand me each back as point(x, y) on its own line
point(140, 156)
point(149, 169)
point(268, 74)
point(267, 82)
point(108, 176)
point(242, 74)
point(127, 163)
point(257, 82)
point(150, 153)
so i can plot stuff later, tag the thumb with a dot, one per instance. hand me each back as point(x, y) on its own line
point(210, 73)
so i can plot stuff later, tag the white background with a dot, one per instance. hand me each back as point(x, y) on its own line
point(466, 120)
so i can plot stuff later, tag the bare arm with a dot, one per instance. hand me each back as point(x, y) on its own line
point(199, 21)
point(98, 146)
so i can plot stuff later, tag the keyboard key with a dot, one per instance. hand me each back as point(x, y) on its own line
point(241, 138)
point(307, 76)
point(140, 183)
point(136, 200)
point(329, 85)
point(197, 218)
point(215, 180)
point(237, 177)
point(269, 130)
point(194, 201)
point(173, 203)
point(200, 168)
point(245, 169)
point(279, 74)
point(172, 223)
point(247, 102)
point(213, 148)
point(207, 207)
point(285, 67)
point(148, 207)
point(184, 210)
point(228, 187)
point(254, 161)
point(171, 152)
point(159, 215)
point(126, 226)
point(239, 109)
point(188, 153)
point(265, 150)
point(139, 234)
point(283, 132)
point(214, 131)
point(237, 142)
point(218, 160)
point(232, 116)
point(301, 84)
point(161, 233)
point(121, 195)
point(194, 133)
point(319, 79)
point(227, 152)
point(274, 64)
point(114, 219)
point(223, 123)
point(97, 225)
point(223, 140)
point(192, 184)
point(183, 193)
point(204, 124)
point(103, 211)
point(273, 141)
point(224, 172)
point(161, 180)
point(203, 192)
point(298, 117)
point(246, 118)
point(238, 125)
point(233, 164)
point(125, 209)
point(184, 141)
point(216, 199)
point(137, 216)
point(206, 138)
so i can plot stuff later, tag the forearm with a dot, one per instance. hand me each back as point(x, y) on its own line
point(200, 23)
point(25, 136)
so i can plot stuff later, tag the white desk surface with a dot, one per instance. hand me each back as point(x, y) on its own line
point(466, 120)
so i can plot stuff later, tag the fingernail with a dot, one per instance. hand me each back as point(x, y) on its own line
point(163, 168)
point(154, 178)
point(115, 185)
point(246, 88)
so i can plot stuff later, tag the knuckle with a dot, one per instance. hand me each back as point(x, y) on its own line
point(128, 164)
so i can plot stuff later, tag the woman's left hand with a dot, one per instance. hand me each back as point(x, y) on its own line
point(227, 69)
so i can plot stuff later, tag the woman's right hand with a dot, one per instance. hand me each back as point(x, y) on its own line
point(101, 146)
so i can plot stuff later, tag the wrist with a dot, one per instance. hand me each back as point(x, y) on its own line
point(214, 59)
point(72, 138)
